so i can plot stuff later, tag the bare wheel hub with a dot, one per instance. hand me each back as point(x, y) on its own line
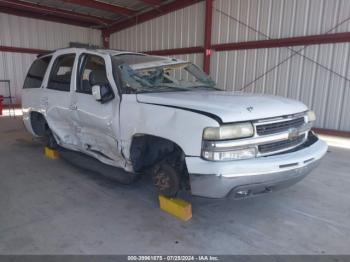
point(166, 179)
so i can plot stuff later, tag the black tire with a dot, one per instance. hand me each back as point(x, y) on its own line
point(50, 140)
point(166, 179)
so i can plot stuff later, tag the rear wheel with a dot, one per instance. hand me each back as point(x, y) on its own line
point(50, 139)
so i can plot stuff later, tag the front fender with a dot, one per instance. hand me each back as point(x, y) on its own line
point(183, 127)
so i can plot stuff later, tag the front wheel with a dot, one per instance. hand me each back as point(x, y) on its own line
point(166, 179)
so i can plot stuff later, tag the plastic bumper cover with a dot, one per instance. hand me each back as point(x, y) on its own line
point(253, 176)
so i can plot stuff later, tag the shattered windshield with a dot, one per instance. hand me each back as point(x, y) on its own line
point(157, 74)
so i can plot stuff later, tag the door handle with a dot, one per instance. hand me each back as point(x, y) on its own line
point(73, 107)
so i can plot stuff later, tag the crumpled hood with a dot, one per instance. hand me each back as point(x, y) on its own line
point(228, 106)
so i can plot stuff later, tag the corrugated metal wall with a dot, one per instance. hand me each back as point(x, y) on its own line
point(263, 70)
point(14, 67)
point(276, 18)
point(32, 33)
point(182, 28)
point(297, 77)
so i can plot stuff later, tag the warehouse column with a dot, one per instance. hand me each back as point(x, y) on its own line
point(207, 34)
point(105, 38)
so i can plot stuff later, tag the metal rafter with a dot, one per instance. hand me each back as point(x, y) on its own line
point(152, 2)
point(42, 11)
point(51, 18)
point(161, 10)
point(103, 6)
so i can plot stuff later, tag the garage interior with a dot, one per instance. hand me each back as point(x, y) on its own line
point(293, 48)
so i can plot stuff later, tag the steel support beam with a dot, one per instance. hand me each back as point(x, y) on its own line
point(105, 39)
point(103, 6)
point(207, 35)
point(40, 11)
point(177, 51)
point(50, 18)
point(286, 42)
point(332, 132)
point(161, 10)
point(22, 50)
point(152, 2)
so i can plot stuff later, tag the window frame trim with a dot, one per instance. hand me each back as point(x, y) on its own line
point(54, 67)
point(83, 58)
point(47, 70)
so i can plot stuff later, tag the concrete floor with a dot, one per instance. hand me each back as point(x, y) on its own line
point(50, 207)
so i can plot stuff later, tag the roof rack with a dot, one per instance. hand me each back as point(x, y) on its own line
point(83, 45)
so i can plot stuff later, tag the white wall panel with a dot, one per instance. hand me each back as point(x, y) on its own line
point(38, 34)
point(32, 33)
point(277, 18)
point(182, 28)
point(14, 67)
point(298, 78)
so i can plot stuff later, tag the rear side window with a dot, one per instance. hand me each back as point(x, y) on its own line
point(37, 72)
point(61, 73)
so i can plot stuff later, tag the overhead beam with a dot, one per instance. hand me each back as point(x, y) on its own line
point(45, 10)
point(177, 51)
point(332, 132)
point(286, 42)
point(103, 6)
point(22, 50)
point(161, 10)
point(152, 2)
point(50, 18)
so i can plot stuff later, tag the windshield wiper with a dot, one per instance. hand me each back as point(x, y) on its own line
point(162, 87)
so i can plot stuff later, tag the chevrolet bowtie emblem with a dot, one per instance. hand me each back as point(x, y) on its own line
point(250, 109)
point(293, 133)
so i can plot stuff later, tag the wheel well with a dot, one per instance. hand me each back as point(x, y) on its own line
point(39, 124)
point(147, 150)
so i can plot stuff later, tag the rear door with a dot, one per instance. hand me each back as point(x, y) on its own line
point(96, 122)
point(56, 100)
point(33, 84)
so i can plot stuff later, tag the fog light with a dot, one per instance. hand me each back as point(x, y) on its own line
point(237, 154)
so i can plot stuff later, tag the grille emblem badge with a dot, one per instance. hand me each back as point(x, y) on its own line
point(250, 109)
point(293, 133)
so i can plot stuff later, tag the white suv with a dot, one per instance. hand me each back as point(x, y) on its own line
point(144, 113)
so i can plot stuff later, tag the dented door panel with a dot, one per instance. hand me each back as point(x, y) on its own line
point(96, 123)
point(95, 126)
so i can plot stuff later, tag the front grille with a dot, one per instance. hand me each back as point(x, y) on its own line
point(280, 145)
point(278, 127)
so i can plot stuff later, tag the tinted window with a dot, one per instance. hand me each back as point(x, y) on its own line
point(36, 73)
point(91, 65)
point(61, 73)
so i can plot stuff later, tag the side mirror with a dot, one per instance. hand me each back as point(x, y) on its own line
point(102, 93)
point(96, 92)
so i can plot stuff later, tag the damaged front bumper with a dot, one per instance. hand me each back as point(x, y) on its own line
point(251, 177)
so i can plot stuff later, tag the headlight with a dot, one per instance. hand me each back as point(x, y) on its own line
point(311, 116)
point(236, 154)
point(228, 131)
